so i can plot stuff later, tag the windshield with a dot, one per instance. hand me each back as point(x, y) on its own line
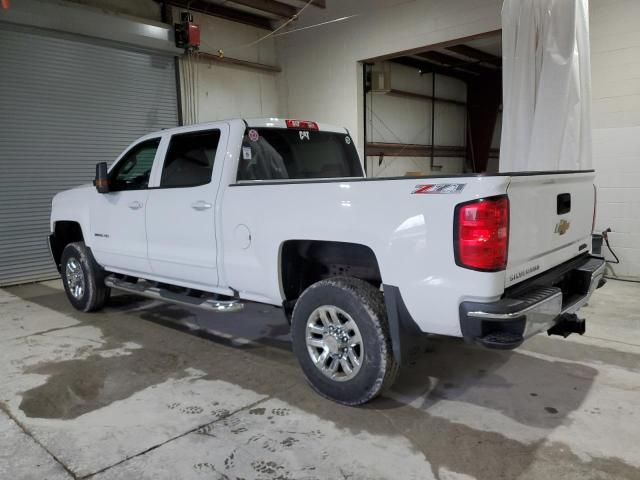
point(279, 153)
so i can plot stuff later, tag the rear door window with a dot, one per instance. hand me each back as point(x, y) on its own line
point(189, 159)
point(280, 154)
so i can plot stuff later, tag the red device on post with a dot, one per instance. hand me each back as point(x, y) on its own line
point(187, 33)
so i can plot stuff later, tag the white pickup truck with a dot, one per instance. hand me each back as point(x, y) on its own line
point(280, 212)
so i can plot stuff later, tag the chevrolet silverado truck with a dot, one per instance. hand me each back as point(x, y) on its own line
point(280, 212)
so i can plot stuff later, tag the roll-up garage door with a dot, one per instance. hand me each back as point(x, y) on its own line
point(66, 104)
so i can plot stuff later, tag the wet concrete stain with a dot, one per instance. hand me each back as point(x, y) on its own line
point(81, 385)
point(78, 386)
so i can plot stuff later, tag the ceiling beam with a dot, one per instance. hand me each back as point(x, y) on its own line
point(434, 46)
point(215, 10)
point(279, 9)
point(457, 63)
point(476, 54)
point(428, 67)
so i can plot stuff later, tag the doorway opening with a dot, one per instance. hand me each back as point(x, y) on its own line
point(434, 110)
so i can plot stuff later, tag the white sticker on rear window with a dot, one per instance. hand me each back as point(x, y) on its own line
point(347, 140)
point(254, 136)
point(246, 153)
point(304, 135)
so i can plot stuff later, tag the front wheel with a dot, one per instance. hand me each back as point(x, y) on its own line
point(341, 339)
point(83, 278)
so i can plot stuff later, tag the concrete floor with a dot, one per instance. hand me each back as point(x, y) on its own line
point(122, 395)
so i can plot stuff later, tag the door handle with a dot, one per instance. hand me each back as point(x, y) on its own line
point(135, 205)
point(201, 205)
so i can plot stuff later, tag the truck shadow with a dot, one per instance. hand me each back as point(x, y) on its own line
point(534, 391)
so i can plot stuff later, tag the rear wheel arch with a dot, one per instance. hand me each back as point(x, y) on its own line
point(305, 262)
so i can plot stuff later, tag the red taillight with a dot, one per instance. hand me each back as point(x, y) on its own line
point(302, 124)
point(482, 234)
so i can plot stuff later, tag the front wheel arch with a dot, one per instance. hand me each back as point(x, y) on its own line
point(64, 233)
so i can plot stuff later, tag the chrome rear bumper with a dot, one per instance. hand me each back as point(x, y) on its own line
point(508, 322)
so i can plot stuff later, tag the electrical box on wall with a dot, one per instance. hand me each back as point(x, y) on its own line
point(187, 33)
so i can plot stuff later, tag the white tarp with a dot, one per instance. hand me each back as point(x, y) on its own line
point(546, 120)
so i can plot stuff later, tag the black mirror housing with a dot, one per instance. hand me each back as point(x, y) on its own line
point(102, 180)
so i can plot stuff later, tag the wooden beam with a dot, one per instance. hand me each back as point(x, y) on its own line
point(476, 54)
point(316, 3)
point(238, 62)
point(375, 149)
point(428, 67)
point(421, 96)
point(216, 10)
point(454, 62)
point(279, 9)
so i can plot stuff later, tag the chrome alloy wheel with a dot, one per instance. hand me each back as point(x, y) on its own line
point(75, 277)
point(334, 343)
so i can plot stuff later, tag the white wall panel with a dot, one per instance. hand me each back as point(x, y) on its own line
point(615, 63)
point(230, 91)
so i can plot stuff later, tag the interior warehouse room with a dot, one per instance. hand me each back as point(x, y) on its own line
point(319, 239)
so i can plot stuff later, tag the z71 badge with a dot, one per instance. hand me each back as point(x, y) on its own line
point(438, 188)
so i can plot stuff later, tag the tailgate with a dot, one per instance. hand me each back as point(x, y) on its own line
point(550, 221)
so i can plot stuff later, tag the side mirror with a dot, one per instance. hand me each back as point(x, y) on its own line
point(102, 180)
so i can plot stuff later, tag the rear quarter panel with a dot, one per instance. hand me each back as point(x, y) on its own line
point(411, 236)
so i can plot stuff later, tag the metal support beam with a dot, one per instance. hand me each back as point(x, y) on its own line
point(403, 93)
point(375, 149)
point(241, 63)
point(456, 63)
point(476, 54)
point(428, 67)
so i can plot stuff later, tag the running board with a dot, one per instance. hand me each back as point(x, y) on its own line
point(148, 290)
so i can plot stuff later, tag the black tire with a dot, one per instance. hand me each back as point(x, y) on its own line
point(365, 305)
point(95, 294)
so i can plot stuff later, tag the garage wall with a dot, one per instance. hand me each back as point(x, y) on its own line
point(399, 119)
point(322, 76)
point(615, 63)
point(230, 91)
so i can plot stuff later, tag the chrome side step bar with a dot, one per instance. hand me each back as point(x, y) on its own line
point(149, 290)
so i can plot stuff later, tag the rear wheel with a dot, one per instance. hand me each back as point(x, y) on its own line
point(341, 339)
point(83, 278)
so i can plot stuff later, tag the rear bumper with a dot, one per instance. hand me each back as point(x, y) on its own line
point(547, 303)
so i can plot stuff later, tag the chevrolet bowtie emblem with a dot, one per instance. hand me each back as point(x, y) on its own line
point(562, 226)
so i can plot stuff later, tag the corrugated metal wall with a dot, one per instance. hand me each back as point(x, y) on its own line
point(64, 106)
